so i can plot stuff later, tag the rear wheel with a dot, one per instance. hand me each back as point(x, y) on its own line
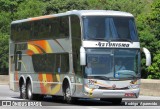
point(30, 94)
point(23, 93)
point(115, 101)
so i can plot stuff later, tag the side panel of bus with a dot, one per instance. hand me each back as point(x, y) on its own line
point(76, 44)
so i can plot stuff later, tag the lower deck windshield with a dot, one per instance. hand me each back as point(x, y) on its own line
point(113, 63)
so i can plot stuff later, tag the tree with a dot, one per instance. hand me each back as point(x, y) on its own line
point(4, 48)
point(149, 28)
point(30, 8)
point(57, 6)
point(154, 23)
point(155, 68)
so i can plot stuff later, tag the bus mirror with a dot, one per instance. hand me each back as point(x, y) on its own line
point(82, 56)
point(147, 55)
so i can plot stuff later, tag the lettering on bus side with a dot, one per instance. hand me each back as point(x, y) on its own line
point(103, 44)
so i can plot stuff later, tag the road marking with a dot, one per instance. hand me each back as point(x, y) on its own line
point(92, 108)
point(9, 98)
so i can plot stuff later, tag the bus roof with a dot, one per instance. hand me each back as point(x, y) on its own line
point(79, 13)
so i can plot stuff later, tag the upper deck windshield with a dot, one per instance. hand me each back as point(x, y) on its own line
point(109, 28)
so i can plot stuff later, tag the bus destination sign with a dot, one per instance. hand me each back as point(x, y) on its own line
point(113, 44)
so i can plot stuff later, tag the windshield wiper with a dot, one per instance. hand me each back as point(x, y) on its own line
point(129, 75)
point(100, 77)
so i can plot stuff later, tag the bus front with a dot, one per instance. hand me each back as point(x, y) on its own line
point(110, 55)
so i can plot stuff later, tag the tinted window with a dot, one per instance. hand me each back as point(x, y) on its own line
point(43, 62)
point(51, 63)
point(75, 27)
point(41, 29)
point(109, 28)
point(64, 62)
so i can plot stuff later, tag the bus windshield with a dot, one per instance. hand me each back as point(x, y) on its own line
point(109, 28)
point(113, 63)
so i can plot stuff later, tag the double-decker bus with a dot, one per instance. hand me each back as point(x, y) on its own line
point(76, 54)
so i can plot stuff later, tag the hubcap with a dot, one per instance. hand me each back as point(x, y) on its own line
point(29, 92)
point(23, 89)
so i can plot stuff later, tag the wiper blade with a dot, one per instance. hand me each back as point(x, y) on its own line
point(100, 77)
point(129, 75)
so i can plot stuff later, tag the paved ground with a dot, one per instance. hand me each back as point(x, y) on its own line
point(6, 94)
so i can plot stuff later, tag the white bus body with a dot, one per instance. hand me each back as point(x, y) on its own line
point(49, 56)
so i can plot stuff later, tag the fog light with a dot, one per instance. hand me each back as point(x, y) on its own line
point(133, 86)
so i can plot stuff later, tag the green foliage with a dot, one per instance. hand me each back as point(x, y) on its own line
point(154, 18)
point(30, 8)
point(4, 22)
point(57, 6)
point(152, 41)
point(146, 12)
point(155, 68)
point(4, 48)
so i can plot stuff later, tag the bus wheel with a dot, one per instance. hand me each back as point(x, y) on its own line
point(30, 95)
point(23, 93)
point(115, 101)
point(67, 94)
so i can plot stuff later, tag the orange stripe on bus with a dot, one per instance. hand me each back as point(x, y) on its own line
point(40, 77)
point(41, 17)
point(16, 75)
point(43, 44)
point(34, 48)
point(43, 89)
point(49, 77)
point(30, 52)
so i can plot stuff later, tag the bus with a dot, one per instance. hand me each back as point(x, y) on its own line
point(76, 54)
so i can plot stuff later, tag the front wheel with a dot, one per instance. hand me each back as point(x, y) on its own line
point(67, 95)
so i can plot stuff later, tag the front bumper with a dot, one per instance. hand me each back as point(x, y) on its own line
point(100, 93)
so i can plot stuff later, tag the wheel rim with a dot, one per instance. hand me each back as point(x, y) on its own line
point(23, 91)
point(29, 92)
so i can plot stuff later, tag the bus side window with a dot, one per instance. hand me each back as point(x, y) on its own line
point(64, 27)
point(76, 43)
point(75, 27)
point(57, 64)
point(64, 63)
point(18, 61)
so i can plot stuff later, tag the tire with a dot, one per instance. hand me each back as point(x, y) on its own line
point(115, 101)
point(30, 94)
point(67, 95)
point(23, 94)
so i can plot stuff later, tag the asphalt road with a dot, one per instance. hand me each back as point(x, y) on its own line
point(7, 95)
